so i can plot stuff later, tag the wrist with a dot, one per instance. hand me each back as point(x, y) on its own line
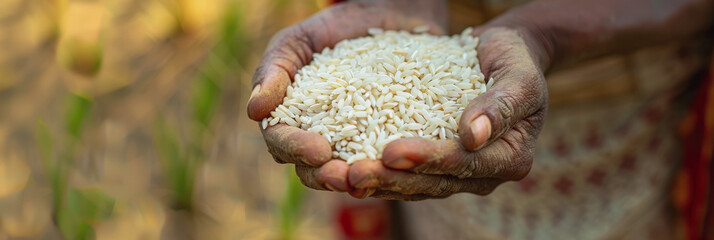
point(540, 45)
point(553, 30)
point(433, 11)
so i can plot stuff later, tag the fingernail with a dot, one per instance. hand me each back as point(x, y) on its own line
point(481, 130)
point(369, 192)
point(329, 186)
point(401, 163)
point(362, 193)
point(255, 92)
point(366, 182)
point(358, 193)
point(333, 184)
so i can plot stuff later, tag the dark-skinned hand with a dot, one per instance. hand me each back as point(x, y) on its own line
point(290, 50)
point(497, 133)
point(497, 130)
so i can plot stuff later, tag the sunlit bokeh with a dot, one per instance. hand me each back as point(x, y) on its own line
point(124, 119)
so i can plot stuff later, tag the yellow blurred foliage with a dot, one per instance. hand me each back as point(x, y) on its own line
point(137, 60)
point(14, 172)
point(198, 15)
point(7, 80)
point(26, 213)
point(8, 7)
point(141, 219)
point(157, 21)
point(36, 25)
point(80, 44)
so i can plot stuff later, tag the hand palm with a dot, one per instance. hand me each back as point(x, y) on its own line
point(411, 168)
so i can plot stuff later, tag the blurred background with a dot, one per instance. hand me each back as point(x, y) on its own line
point(125, 119)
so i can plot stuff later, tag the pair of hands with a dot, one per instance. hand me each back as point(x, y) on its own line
point(497, 130)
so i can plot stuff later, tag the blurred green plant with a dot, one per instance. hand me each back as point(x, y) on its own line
point(84, 208)
point(178, 167)
point(180, 161)
point(292, 204)
point(233, 43)
point(77, 115)
point(206, 99)
point(74, 210)
point(53, 169)
point(233, 48)
point(57, 162)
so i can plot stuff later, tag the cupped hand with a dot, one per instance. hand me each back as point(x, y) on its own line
point(290, 50)
point(497, 132)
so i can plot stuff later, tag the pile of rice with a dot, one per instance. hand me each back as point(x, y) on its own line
point(369, 91)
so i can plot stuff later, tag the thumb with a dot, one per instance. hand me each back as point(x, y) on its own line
point(517, 92)
point(293, 48)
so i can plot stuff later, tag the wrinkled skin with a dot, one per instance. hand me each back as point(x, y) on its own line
point(497, 147)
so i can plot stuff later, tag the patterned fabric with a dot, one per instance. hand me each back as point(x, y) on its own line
point(604, 161)
point(694, 185)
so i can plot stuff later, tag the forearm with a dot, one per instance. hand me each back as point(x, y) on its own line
point(572, 30)
point(433, 10)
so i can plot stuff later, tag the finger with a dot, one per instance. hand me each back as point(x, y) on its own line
point(292, 48)
point(361, 193)
point(387, 195)
point(368, 174)
point(507, 158)
point(423, 155)
point(331, 176)
point(519, 91)
point(289, 144)
point(308, 177)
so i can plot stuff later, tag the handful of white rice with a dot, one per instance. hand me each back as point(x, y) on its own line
point(369, 91)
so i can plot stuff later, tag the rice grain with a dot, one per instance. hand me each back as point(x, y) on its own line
point(369, 91)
